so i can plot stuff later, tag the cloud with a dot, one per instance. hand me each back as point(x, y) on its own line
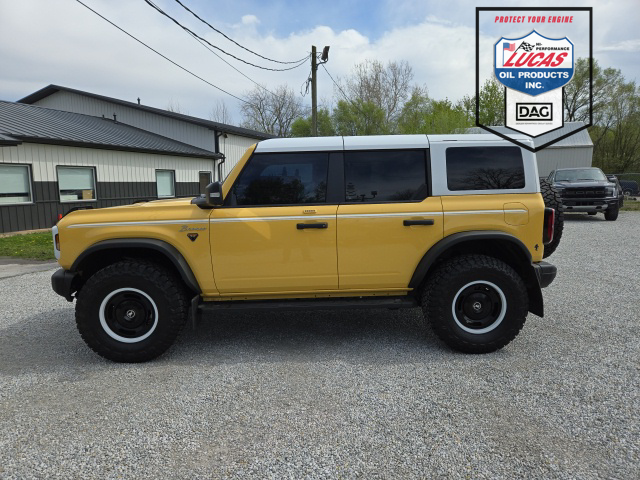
point(624, 46)
point(63, 43)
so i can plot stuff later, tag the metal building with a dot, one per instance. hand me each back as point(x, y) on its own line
point(52, 161)
point(573, 151)
point(205, 134)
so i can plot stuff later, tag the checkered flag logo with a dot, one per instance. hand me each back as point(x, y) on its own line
point(527, 47)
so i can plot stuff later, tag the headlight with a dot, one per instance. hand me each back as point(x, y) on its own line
point(611, 191)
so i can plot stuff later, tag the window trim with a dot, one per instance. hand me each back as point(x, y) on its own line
point(95, 183)
point(174, 183)
point(427, 173)
point(32, 200)
point(329, 179)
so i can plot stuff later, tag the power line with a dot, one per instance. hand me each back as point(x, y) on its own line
point(241, 73)
point(165, 57)
point(231, 39)
point(159, 10)
point(337, 84)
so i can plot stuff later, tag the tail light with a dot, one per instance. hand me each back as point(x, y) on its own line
point(549, 222)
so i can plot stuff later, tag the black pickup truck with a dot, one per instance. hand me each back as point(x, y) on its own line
point(586, 190)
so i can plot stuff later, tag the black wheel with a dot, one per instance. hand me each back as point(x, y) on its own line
point(475, 303)
point(552, 199)
point(131, 311)
point(627, 193)
point(611, 213)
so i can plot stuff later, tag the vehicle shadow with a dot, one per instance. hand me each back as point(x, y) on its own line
point(50, 342)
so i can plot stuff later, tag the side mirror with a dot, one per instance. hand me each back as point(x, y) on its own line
point(211, 198)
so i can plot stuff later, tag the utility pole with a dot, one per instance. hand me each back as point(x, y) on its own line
point(314, 93)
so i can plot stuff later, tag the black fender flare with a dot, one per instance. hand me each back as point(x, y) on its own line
point(160, 246)
point(536, 305)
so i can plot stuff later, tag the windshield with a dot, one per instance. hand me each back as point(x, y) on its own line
point(579, 174)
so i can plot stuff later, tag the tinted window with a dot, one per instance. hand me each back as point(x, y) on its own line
point(283, 179)
point(385, 176)
point(484, 168)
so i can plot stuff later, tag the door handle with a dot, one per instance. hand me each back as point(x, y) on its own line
point(302, 226)
point(408, 223)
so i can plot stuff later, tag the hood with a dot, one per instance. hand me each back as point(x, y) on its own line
point(168, 209)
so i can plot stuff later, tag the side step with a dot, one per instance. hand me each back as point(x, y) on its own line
point(305, 304)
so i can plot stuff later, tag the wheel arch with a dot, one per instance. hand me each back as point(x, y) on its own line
point(106, 252)
point(500, 245)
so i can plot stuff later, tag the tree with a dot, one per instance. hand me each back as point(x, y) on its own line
point(359, 118)
point(376, 88)
point(220, 113)
point(301, 127)
point(421, 114)
point(174, 106)
point(576, 92)
point(272, 113)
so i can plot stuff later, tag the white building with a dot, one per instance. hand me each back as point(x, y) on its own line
point(215, 137)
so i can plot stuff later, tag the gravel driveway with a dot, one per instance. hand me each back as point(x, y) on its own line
point(359, 394)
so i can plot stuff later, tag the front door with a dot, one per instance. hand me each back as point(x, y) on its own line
point(276, 232)
point(388, 221)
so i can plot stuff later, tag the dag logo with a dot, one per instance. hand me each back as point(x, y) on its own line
point(533, 64)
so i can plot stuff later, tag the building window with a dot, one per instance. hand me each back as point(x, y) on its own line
point(484, 168)
point(282, 179)
point(166, 183)
point(385, 176)
point(15, 184)
point(77, 184)
point(205, 179)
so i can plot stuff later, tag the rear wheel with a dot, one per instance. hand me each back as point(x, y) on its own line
point(552, 199)
point(475, 303)
point(131, 311)
point(611, 213)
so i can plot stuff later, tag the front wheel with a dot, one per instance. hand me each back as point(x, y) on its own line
point(475, 303)
point(131, 311)
point(611, 213)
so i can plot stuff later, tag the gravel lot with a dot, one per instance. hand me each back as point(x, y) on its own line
point(364, 393)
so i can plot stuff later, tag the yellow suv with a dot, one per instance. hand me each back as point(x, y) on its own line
point(454, 224)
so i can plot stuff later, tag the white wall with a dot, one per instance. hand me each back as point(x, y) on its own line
point(111, 165)
point(233, 147)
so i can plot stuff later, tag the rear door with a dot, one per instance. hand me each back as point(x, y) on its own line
point(387, 220)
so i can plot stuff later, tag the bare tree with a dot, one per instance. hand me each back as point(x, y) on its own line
point(387, 87)
point(174, 106)
point(271, 112)
point(220, 113)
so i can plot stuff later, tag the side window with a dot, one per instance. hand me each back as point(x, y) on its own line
point(283, 179)
point(484, 168)
point(385, 176)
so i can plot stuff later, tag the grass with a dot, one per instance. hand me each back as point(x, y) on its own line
point(38, 246)
point(631, 206)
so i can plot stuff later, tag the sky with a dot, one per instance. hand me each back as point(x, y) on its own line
point(60, 42)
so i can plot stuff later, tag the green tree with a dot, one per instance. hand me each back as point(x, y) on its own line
point(301, 127)
point(421, 114)
point(359, 118)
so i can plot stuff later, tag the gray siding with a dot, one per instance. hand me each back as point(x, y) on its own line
point(121, 178)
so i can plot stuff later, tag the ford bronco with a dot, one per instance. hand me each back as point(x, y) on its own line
point(453, 224)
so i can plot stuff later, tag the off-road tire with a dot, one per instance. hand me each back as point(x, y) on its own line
point(454, 276)
point(552, 199)
point(611, 213)
point(159, 291)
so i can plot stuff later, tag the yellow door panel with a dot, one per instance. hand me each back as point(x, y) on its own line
point(266, 249)
point(376, 248)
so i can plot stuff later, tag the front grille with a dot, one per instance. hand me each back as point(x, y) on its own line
point(586, 192)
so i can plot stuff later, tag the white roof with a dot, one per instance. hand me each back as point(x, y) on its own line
point(372, 142)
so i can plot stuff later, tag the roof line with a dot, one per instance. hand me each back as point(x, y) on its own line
point(52, 88)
